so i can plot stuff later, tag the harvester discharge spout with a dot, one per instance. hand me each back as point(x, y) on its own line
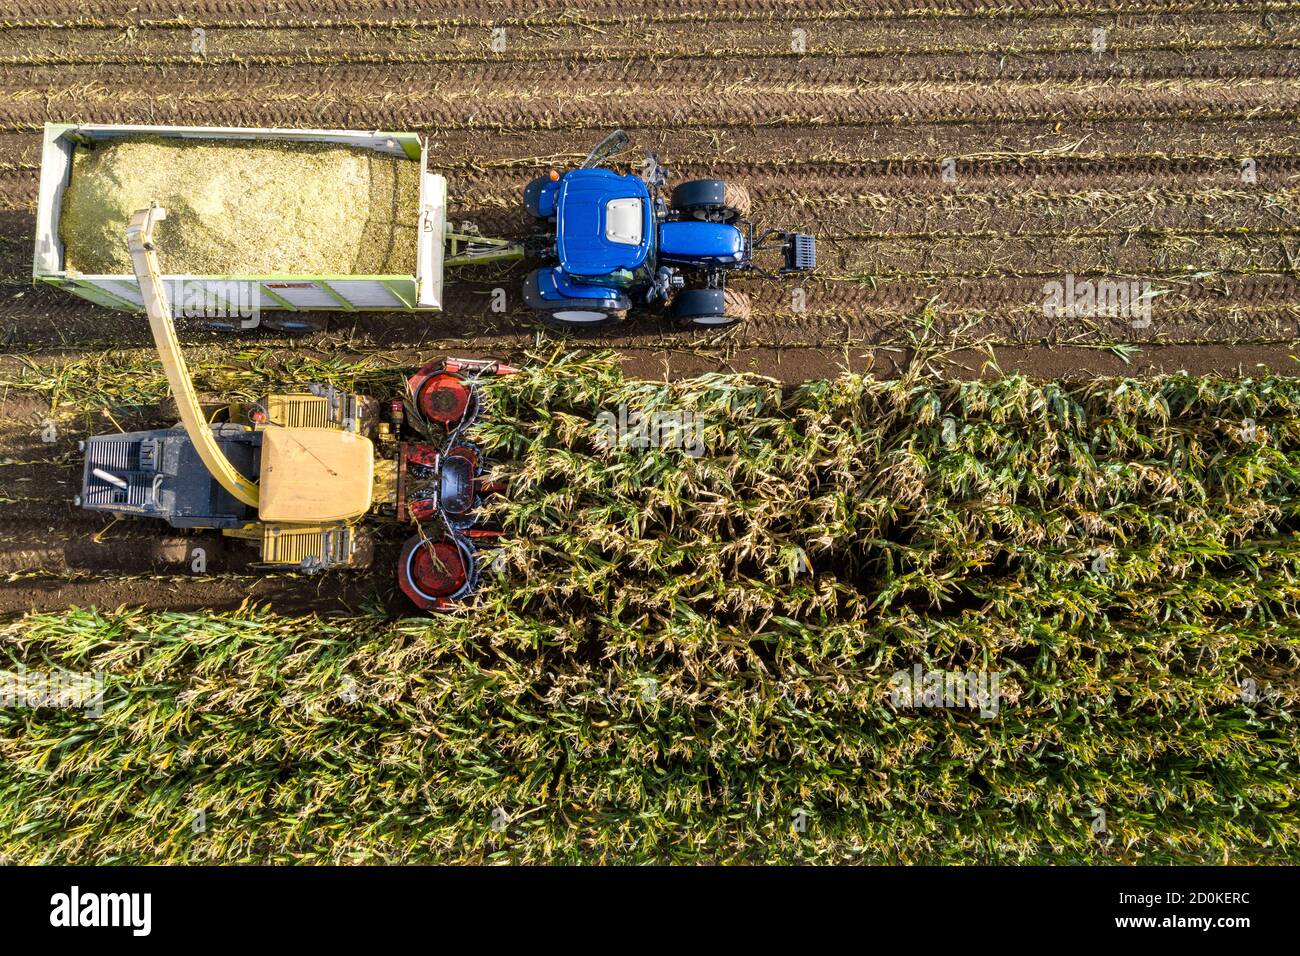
point(148, 272)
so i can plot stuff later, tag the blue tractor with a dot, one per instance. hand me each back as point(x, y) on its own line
point(614, 243)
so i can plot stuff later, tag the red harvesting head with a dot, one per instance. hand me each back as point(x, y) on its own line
point(432, 573)
point(442, 397)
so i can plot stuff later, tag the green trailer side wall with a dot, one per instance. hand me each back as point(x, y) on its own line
point(402, 288)
point(405, 291)
point(90, 292)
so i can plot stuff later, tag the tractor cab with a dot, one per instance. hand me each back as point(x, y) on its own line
point(604, 226)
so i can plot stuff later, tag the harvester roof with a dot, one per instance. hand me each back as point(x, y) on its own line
point(315, 475)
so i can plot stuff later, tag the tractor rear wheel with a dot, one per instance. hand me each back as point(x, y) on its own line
point(579, 319)
point(711, 308)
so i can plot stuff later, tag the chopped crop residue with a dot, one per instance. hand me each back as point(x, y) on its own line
point(244, 208)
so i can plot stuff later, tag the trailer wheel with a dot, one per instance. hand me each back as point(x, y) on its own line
point(210, 324)
point(711, 308)
point(295, 323)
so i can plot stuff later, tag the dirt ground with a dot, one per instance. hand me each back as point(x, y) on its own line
point(953, 159)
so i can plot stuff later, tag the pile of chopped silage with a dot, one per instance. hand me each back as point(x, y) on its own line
point(244, 208)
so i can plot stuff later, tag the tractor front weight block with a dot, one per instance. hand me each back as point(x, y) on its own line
point(800, 253)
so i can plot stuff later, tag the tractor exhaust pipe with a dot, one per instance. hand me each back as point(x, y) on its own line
point(607, 148)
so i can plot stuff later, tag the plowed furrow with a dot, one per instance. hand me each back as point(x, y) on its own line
point(776, 106)
point(123, 13)
point(654, 39)
point(614, 70)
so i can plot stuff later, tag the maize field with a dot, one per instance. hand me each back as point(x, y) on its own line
point(697, 658)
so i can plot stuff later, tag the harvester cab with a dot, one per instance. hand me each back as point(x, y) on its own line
point(616, 243)
point(324, 460)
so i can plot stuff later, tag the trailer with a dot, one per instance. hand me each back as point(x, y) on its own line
point(283, 292)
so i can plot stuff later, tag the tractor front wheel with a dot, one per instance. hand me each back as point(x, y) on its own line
point(712, 200)
point(710, 308)
point(533, 197)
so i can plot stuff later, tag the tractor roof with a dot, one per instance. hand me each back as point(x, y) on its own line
point(313, 475)
point(604, 222)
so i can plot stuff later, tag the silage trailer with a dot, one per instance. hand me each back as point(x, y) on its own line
point(282, 293)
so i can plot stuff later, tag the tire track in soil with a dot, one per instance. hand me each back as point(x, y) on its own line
point(125, 13)
point(334, 593)
point(775, 107)
point(885, 177)
point(119, 73)
point(878, 310)
point(487, 199)
point(651, 39)
point(139, 551)
point(853, 147)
